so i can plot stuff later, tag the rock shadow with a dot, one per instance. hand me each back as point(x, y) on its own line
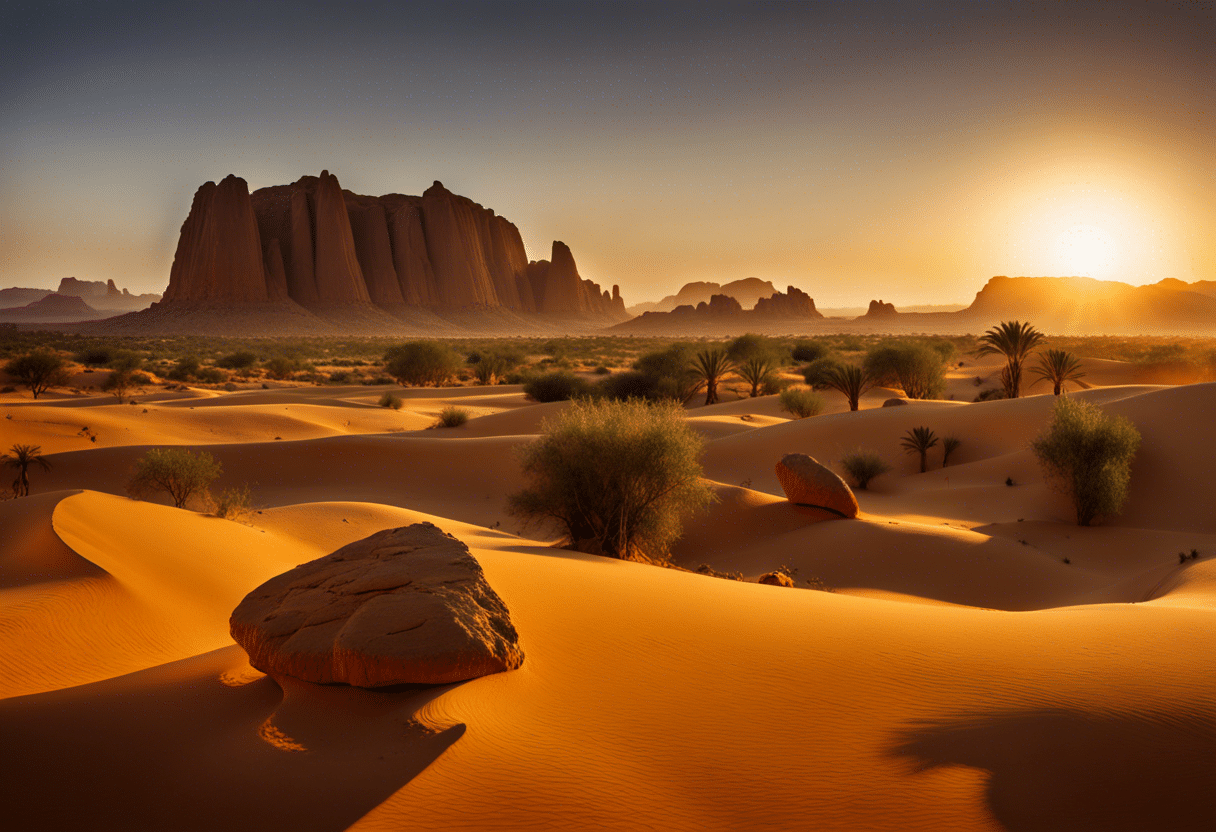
point(190, 746)
point(1060, 769)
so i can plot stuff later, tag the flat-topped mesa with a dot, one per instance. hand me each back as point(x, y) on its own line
point(322, 247)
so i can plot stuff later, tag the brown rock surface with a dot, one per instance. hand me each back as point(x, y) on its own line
point(339, 274)
point(878, 309)
point(457, 253)
point(795, 303)
point(807, 483)
point(369, 225)
point(776, 579)
point(219, 253)
point(403, 606)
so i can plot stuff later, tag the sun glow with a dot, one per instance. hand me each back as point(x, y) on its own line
point(1087, 251)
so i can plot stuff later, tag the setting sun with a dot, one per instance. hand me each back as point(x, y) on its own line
point(1086, 251)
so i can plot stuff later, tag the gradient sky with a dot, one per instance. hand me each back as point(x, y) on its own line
point(907, 151)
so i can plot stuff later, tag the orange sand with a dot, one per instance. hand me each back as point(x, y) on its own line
point(962, 675)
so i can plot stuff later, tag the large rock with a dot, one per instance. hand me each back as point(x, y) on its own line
point(808, 483)
point(795, 303)
point(404, 606)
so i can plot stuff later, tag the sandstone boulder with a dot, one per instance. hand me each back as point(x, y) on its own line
point(895, 401)
point(808, 483)
point(404, 606)
point(776, 579)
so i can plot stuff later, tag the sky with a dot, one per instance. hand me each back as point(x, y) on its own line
point(902, 151)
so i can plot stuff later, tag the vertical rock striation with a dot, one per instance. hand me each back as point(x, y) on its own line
point(313, 243)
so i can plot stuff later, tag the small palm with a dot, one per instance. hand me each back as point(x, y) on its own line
point(1014, 340)
point(919, 441)
point(711, 365)
point(22, 457)
point(1058, 367)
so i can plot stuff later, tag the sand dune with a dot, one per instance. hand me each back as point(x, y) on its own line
point(962, 675)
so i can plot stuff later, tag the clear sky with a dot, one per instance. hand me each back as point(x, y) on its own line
point(904, 151)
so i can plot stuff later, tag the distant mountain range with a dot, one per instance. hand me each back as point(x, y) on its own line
point(747, 291)
point(75, 300)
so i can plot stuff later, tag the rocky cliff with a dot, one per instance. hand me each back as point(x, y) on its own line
point(313, 244)
point(724, 314)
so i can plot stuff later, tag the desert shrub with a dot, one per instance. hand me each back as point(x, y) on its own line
point(181, 473)
point(390, 399)
point(211, 375)
point(863, 466)
point(94, 356)
point(452, 417)
point(421, 363)
point(185, 369)
point(492, 365)
point(818, 372)
point(810, 351)
point(376, 381)
point(917, 368)
point(616, 477)
point(634, 384)
point(751, 345)
point(773, 385)
point(281, 367)
point(240, 360)
point(339, 377)
point(233, 503)
point(557, 386)
point(991, 394)
point(801, 402)
point(1088, 455)
point(39, 370)
point(669, 374)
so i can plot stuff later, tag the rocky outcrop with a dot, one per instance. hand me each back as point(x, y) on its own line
point(324, 248)
point(777, 578)
point(404, 606)
point(747, 291)
point(895, 402)
point(878, 309)
point(795, 303)
point(53, 307)
point(808, 483)
point(219, 254)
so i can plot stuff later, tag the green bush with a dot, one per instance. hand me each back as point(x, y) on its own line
point(422, 364)
point(917, 368)
point(557, 386)
point(810, 351)
point(491, 366)
point(452, 417)
point(39, 370)
point(182, 474)
point(186, 368)
point(863, 466)
point(95, 356)
point(817, 374)
point(390, 399)
point(282, 367)
point(240, 360)
point(1088, 455)
point(233, 503)
point(616, 477)
point(801, 402)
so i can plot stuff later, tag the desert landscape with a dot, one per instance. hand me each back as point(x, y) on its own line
point(822, 480)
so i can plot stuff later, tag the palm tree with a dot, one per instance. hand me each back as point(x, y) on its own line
point(711, 365)
point(755, 371)
point(1058, 366)
point(1014, 340)
point(21, 458)
point(919, 441)
point(850, 380)
point(949, 445)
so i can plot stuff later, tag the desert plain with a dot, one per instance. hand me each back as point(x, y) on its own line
point(962, 655)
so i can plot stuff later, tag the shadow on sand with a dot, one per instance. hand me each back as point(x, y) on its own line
point(189, 746)
point(1057, 769)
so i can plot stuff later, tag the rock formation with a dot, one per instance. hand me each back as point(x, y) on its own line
point(878, 309)
point(808, 483)
point(747, 291)
point(404, 606)
point(312, 244)
point(777, 578)
point(795, 303)
point(53, 307)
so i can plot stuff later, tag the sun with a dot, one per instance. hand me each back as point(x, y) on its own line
point(1086, 251)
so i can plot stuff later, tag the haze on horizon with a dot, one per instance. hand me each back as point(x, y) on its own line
point(901, 151)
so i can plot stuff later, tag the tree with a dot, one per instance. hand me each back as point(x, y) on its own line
point(756, 371)
point(710, 366)
point(39, 370)
point(421, 363)
point(950, 444)
point(1088, 455)
point(863, 466)
point(1058, 367)
point(849, 379)
point(919, 441)
point(616, 477)
point(489, 367)
point(1014, 340)
point(917, 368)
point(123, 367)
point(181, 473)
point(22, 457)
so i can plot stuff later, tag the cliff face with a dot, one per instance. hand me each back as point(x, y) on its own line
point(313, 243)
point(795, 303)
